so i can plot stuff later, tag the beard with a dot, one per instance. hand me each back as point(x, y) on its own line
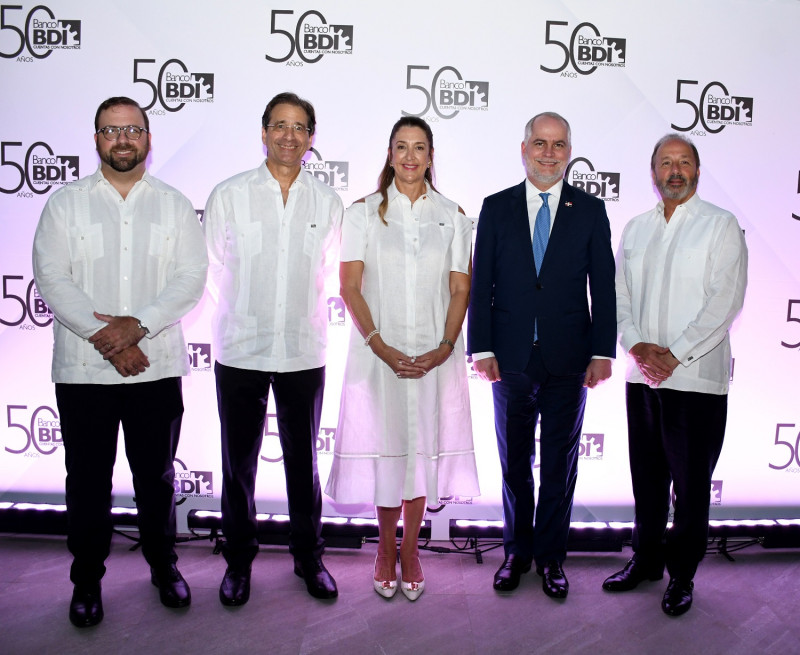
point(676, 194)
point(124, 165)
point(539, 176)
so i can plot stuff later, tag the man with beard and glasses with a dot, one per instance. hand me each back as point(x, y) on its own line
point(119, 257)
point(681, 278)
point(532, 333)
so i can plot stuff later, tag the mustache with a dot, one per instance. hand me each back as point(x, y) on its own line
point(677, 178)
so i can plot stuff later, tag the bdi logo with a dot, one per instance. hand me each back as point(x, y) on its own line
point(310, 38)
point(28, 304)
point(333, 173)
point(42, 430)
point(587, 49)
point(581, 175)
point(174, 86)
point(716, 492)
point(200, 356)
point(715, 107)
point(192, 484)
point(39, 170)
point(591, 446)
point(335, 310)
point(447, 93)
point(271, 445)
point(40, 32)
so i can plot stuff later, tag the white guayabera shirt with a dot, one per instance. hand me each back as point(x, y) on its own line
point(680, 285)
point(143, 256)
point(268, 268)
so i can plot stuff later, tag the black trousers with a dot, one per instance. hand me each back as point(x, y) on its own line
point(242, 396)
point(150, 414)
point(519, 400)
point(673, 437)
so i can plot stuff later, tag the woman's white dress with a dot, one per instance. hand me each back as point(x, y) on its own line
point(399, 439)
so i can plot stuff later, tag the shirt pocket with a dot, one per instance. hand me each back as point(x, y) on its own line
point(86, 242)
point(163, 240)
point(314, 235)
point(689, 264)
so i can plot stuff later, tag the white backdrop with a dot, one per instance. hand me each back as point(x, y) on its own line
point(623, 73)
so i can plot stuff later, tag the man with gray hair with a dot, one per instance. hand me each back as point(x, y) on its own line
point(532, 333)
point(681, 278)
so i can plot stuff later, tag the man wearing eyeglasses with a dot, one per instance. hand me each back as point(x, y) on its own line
point(119, 257)
point(273, 235)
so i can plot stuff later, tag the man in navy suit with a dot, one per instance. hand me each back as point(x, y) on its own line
point(533, 334)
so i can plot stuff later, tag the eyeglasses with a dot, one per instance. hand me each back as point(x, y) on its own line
point(112, 132)
point(284, 127)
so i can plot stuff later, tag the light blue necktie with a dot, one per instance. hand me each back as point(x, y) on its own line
point(541, 232)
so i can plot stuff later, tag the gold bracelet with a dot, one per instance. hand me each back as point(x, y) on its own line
point(449, 343)
point(370, 335)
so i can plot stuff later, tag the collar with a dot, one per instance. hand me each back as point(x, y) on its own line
point(691, 206)
point(97, 177)
point(265, 176)
point(554, 191)
point(392, 193)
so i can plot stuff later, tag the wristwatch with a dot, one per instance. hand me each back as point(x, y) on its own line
point(142, 327)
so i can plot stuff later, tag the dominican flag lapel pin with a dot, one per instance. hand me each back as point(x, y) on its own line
point(567, 204)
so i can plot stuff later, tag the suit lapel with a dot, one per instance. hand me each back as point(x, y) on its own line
point(521, 224)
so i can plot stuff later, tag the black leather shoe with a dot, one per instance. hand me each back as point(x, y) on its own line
point(508, 575)
point(630, 577)
point(235, 587)
point(554, 582)
point(319, 582)
point(172, 588)
point(678, 597)
point(86, 606)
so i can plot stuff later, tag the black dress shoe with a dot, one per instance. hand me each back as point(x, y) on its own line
point(319, 582)
point(678, 597)
point(630, 577)
point(86, 606)
point(235, 587)
point(507, 576)
point(172, 588)
point(554, 582)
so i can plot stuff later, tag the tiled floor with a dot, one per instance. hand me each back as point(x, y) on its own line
point(748, 606)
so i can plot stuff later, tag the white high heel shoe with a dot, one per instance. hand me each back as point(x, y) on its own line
point(412, 590)
point(386, 588)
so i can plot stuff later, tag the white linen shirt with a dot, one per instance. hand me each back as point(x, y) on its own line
point(268, 269)
point(143, 256)
point(680, 284)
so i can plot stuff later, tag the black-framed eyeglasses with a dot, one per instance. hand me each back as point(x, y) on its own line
point(297, 128)
point(112, 132)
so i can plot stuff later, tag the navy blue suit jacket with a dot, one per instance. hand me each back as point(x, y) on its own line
point(507, 296)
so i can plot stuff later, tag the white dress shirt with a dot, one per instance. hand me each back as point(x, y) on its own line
point(141, 256)
point(680, 284)
point(268, 267)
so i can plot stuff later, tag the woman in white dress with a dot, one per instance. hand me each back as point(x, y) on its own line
point(405, 431)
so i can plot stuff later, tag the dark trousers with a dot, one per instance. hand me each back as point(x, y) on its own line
point(150, 414)
point(242, 396)
point(673, 437)
point(519, 400)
